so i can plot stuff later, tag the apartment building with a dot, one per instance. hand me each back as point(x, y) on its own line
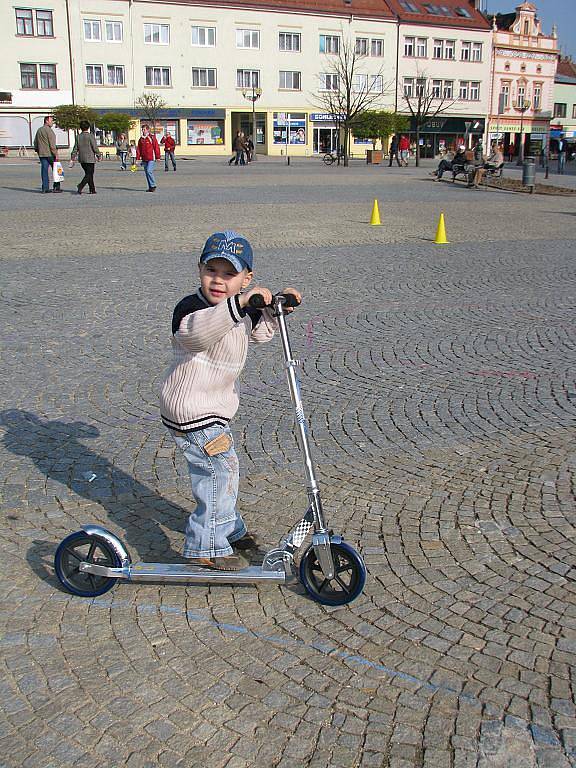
point(564, 114)
point(444, 48)
point(524, 67)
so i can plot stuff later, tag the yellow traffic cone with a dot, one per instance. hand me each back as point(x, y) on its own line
point(441, 232)
point(375, 218)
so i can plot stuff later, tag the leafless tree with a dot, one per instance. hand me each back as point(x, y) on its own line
point(151, 104)
point(346, 89)
point(425, 102)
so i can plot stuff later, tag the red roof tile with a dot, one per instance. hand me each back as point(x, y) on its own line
point(371, 8)
point(566, 67)
point(455, 13)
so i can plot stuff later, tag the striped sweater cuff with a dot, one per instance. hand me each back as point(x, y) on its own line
point(236, 311)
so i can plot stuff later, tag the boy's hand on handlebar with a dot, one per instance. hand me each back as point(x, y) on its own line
point(297, 295)
point(258, 289)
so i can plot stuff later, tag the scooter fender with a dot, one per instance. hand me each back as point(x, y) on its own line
point(102, 533)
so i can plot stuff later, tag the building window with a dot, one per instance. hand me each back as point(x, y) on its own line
point(475, 90)
point(29, 76)
point(409, 87)
point(115, 74)
point(376, 84)
point(289, 41)
point(408, 6)
point(422, 47)
point(574, 111)
point(329, 82)
point(466, 51)
point(362, 46)
point(94, 74)
point(158, 76)
point(438, 50)
point(526, 26)
point(360, 83)
point(247, 38)
point(420, 86)
point(450, 49)
point(464, 90)
point(559, 109)
point(377, 47)
point(204, 37)
point(44, 27)
point(409, 46)
point(289, 81)
point(157, 34)
point(448, 89)
point(505, 95)
point(537, 96)
point(289, 128)
point(24, 22)
point(436, 88)
point(476, 51)
point(247, 78)
point(114, 32)
point(521, 96)
point(203, 78)
point(92, 30)
point(463, 12)
point(329, 44)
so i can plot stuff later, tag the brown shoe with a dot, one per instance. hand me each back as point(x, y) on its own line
point(228, 563)
point(248, 541)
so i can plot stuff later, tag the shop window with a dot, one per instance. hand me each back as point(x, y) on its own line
point(24, 22)
point(167, 127)
point(205, 132)
point(289, 127)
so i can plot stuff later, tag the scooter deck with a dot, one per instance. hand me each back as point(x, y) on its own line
point(180, 572)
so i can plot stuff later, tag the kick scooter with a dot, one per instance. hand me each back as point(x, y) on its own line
point(90, 561)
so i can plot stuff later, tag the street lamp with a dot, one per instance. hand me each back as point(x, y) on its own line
point(522, 105)
point(253, 94)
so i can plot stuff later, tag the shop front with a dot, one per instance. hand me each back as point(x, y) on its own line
point(324, 133)
point(444, 134)
point(289, 133)
point(511, 132)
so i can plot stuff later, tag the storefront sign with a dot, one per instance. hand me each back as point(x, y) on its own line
point(477, 125)
point(323, 117)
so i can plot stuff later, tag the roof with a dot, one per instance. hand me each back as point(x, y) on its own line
point(367, 8)
point(440, 13)
point(566, 68)
point(505, 20)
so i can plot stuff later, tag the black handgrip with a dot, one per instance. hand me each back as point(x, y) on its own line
point(289, 300)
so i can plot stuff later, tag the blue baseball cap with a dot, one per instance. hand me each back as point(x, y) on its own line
point(231, 246)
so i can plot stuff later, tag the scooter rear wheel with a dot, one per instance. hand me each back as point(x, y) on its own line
point(81, 548)
point(349, 575)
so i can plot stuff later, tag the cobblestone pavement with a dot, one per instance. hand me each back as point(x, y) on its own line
point(440, 386)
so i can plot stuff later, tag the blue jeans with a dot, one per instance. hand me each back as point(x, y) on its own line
point(122, 155)
point(148, 166)
point(561, 162)
point(169, 155)
point(215, 523)
point(46, 164)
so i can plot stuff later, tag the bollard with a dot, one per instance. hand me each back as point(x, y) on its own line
point(529, 173)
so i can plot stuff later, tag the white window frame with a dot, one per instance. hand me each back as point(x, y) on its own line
point(361, 46)
point(115, 69)
point(410, 47)
point(537, 96)
point(450, 50)
point(474, 90)
point(207, 74)
point(329, 44)
point(376, 84)
point(94, 24)
point(505, 89)
point(421, 50)
point(438, 49)
point(329, 81)
point(448, 89)
point(198, 32)
point(464, 90)
point(292, 80)
point(115, 24)
point(466, 51)
point(248, 38)
point(247, 78)
point(293, 37)
point(94, 67)
point(436, 89)
point(420, 86)
point(377, 47)
point(477, 51)
point(162, 71)
point(408, 87)
point(360, 83)
point(162, 30)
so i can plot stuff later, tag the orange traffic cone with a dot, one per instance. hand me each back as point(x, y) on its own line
point(441, 238)
point(375, 218)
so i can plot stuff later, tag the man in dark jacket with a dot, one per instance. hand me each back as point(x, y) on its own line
point(239, 147)
point(45, 147)
point(393, 150)
point(148, 151)
point(169, 147)
point(86, 152)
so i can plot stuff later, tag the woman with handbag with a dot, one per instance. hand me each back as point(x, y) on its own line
point(86, 151)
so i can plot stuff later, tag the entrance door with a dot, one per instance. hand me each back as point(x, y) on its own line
point(325, 140)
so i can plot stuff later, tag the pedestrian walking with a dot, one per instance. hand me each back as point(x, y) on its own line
point(122, 150)
point(238, 147)
point(249, 149)
point(45, 148)
point(404, 147)
point(561, 154)
point(86, 152)
point(148, 151)
point(169, 147)
point(394, 151)
point(511, 152)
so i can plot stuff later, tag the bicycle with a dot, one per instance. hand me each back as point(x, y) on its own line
point(332, 157)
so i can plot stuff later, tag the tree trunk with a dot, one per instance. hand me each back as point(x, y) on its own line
point(417, 146)
point(346, 146)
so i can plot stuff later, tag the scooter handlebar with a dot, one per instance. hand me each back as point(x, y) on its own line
point(287, 299)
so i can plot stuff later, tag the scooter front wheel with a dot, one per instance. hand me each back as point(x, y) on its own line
point(347, 583)
point(81, 548)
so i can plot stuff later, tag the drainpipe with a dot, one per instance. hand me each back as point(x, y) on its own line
point(397, 60)
point(70, 52)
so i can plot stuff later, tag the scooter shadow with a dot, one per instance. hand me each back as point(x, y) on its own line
point(56, 449)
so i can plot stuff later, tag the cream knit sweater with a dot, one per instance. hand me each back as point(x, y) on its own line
point(210, 344)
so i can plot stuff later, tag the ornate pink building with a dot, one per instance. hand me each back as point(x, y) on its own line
point(524, 64)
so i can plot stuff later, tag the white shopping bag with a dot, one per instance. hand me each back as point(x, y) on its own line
point(57, 172)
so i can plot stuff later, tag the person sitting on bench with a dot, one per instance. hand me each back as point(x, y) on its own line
point(495, 161)
point(448, 165)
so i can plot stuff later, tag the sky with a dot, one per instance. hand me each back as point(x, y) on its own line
point(559, 12)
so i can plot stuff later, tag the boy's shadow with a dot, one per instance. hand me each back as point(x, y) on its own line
point(55, 448)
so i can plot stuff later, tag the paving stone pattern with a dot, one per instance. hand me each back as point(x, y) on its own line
point(440, 388)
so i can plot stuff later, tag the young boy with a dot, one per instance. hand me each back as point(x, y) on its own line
point(210, 334)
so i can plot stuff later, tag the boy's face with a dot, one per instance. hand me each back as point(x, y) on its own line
point(219, 280)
